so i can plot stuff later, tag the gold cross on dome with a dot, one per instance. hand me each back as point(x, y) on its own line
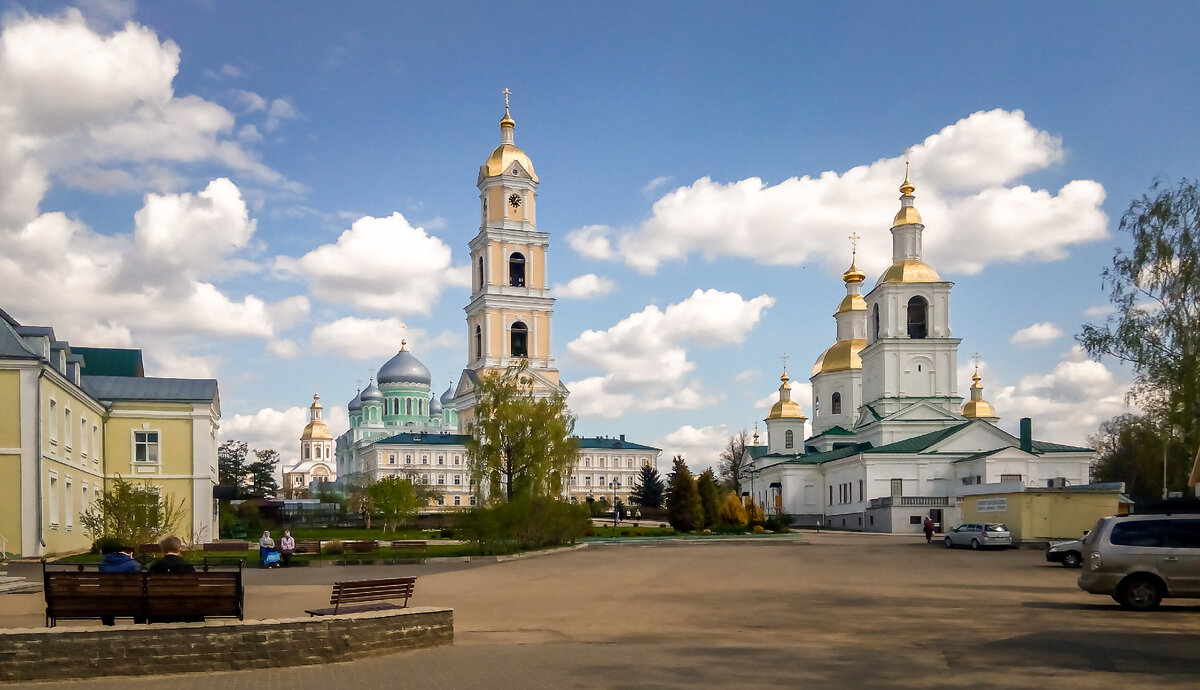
point(784, 358)
point(506, 95)
point(854, 238)
point(975, 359)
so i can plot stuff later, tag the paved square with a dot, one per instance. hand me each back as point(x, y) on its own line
point(812, 610)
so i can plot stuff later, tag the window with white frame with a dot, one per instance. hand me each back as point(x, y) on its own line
point(67, 428)
point(457, 459)
point(424, 459)
point(145, 447)
point(68, 503)
point(53, 422)
point(391, 458)
point(587, 480)
point(95, 444)
point(457, 500)
point(472, 500)
point(441, 479)
point(83, 444)
point(408, 459)
point(54, 504)
point(1010, 478)
point(458, 480)
point(441, 459)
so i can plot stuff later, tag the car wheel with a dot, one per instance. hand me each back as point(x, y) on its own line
point(1139, 593)
point(974, 544)
point(1070, 560)
point(949, 543)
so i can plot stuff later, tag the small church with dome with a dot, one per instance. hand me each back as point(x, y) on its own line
point(891, 440)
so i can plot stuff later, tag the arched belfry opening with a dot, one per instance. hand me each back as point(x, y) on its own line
point(481, 273)
point(478, 342)
point(875, 323)
point(520, 340)
point(516, 269)
point(836, 404)
point(918, 315)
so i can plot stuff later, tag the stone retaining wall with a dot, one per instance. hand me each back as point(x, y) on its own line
point(167, 648)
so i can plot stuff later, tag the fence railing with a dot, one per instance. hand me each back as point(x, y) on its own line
point(911, 502)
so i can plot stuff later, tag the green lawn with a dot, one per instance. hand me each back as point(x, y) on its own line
point(611, 532)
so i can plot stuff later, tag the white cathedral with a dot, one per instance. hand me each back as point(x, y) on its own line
point(892, 440)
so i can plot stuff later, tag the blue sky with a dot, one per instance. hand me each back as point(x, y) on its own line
point(725, 148)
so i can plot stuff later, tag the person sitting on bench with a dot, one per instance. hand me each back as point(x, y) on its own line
point(117, 558)
point(172, 561)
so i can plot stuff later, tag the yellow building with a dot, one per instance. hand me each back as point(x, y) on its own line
point(1034, 515)
point(73, 418)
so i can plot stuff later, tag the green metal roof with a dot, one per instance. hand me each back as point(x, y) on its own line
point(110, 361)
point(587, 443)
point(433, 439)
point(916, 444)
point(1047, 447)
point(817, 458)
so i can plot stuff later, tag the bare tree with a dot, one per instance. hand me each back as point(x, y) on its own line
point(732, 464)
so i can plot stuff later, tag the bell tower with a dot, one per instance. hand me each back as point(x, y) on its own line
point(910, 358)
point(510, 312)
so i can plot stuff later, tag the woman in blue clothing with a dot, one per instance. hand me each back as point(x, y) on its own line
point(265, 546)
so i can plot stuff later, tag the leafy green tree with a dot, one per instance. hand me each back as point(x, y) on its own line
point(648, 492)
point(231, 463)
point(520, 442)
point(710, 496)
point(1130, 449)
point(396, 500)
point(1155, 287)
point(133, 514)
point(732, 463)
point(683, 500)
point(732, 511)
point(261, 475)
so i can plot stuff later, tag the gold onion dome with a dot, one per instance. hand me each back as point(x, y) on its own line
point(977, 407)
point(786, 407)
point(853, 274)
point(507, 153)
point(316, 429)
point(910, 271)
point(841, 356)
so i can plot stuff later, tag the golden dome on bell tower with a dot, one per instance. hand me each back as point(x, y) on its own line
point(908, 214)
point(503, 156)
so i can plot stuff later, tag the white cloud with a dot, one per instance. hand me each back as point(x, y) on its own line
point(381, 264)
point(585, 287)
point(283, 347)
point(643, 356)
point(1038, 334)
point(1099, 311)
point(746, 376)
point(657, 182)
point(230, 71)
point(592, 241)
point(372, 339)
point(701, 448)
point(280, 109)
point(271, 429)
point(168, 362)
point(1067, 405)
point(962, 173)
point(155, 279)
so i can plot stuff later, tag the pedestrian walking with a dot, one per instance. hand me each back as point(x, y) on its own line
point(929, 530)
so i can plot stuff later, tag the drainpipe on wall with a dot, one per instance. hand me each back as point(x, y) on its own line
point(37, 446)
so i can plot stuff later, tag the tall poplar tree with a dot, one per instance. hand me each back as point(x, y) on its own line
point(683, 500)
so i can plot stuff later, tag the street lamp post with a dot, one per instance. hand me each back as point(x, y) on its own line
point(613, 485)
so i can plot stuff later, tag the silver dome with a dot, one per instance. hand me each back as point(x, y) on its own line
point(435, 406)
point(404, 368)
point(448, 395)
point(355, 404)
point(372, 394)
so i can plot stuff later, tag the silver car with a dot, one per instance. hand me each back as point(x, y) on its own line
point(1139, 559)
point(980, 535)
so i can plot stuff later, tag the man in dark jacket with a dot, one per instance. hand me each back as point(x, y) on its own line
point(172, 561)
point(118, 558)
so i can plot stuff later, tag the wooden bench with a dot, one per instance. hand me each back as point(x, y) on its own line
point(360, 546)
point(415, 550)
point(227, 546)
point(378, 592)
point(144, 597)
point(312, 546)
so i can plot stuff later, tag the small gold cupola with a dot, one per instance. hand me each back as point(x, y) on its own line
point(786, 407)
point(507, 154)
point(977, 407)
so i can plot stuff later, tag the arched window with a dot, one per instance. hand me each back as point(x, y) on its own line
point(408, 406)
point(875, 323)
point(306, 451)
point(516, 269)
point(836, 404)
point(481, 273)
point(520, 340)
point(789, 439)
point(478, 342)
point(918, 309)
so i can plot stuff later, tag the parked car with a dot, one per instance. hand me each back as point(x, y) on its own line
point(980, 535)
point(1069, 553)
point(1139, 559)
